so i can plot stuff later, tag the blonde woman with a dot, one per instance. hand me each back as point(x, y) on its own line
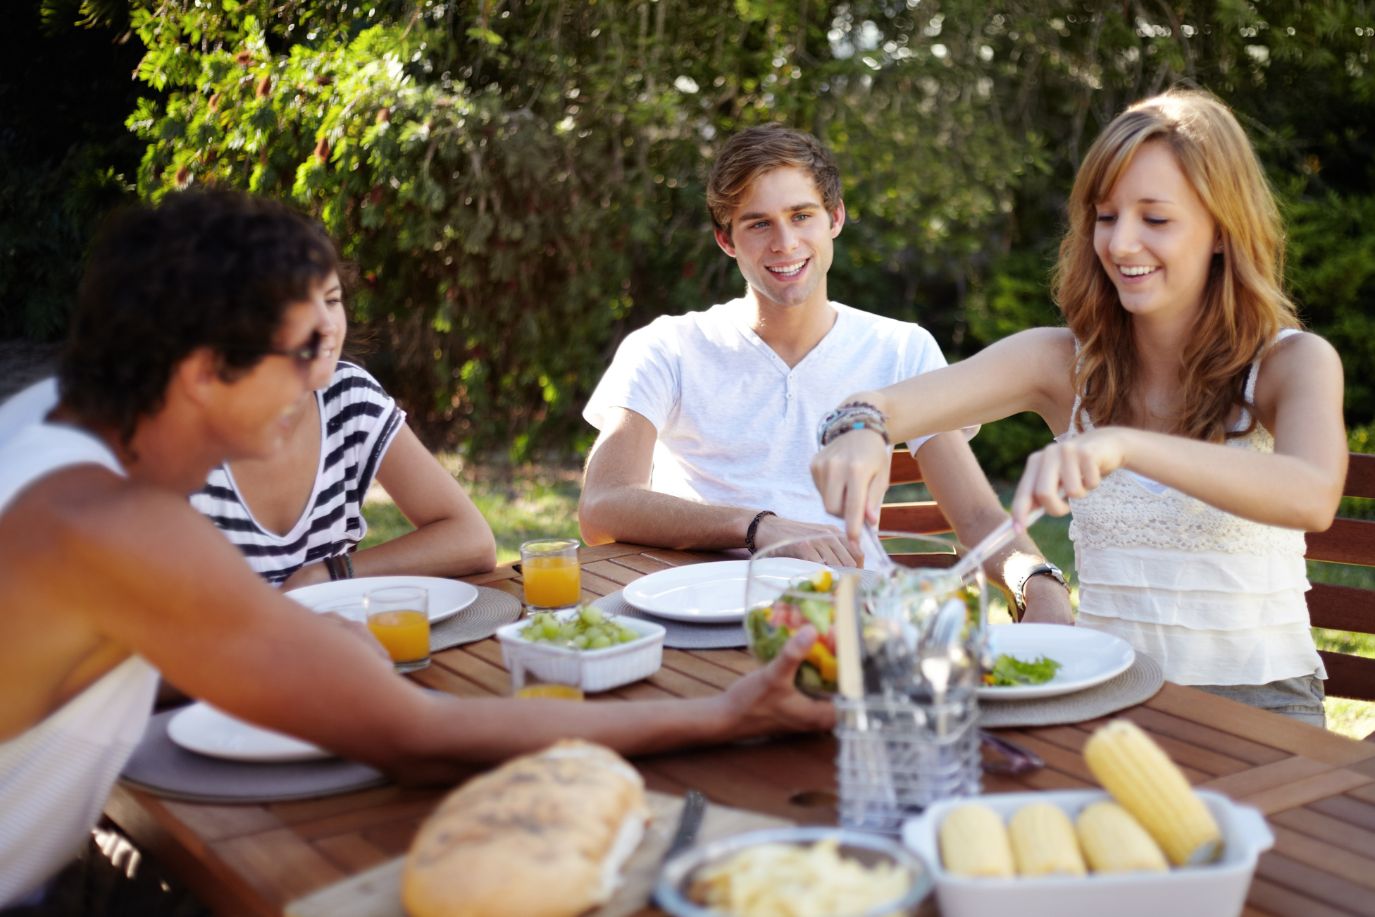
point(1199, 429)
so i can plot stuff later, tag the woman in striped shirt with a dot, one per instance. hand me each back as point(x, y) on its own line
point(297, 515)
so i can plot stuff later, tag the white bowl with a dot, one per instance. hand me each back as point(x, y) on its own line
point(1213, 890)
point(602, 669)
point(671, 890)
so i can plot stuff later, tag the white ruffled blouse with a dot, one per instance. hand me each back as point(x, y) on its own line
point(1214, 598)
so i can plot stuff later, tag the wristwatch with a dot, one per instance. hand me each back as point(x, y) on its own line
point(1020, 568)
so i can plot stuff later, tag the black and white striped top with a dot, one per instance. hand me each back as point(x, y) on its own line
point(358, 422)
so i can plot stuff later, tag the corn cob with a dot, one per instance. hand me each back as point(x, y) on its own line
point(1113, 841)
point(1141, 777)
point(974, 843)
point(1043, 842)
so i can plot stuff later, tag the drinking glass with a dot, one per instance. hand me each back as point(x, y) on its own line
point(552, 576)
point(549, 672)
point(399, 617)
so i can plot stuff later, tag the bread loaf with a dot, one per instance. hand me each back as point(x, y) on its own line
point(543, 835)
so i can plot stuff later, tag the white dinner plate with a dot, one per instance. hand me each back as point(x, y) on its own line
point(711, 593)
point(204, 729)
point(1086, 657)
point(447, 596)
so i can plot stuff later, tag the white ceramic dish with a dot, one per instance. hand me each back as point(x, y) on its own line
point(671, 891)
point(602, 669)
point(209, 731)
point(1086, 657)
point(712, 593)
point(447, 596)
point(1213, 890)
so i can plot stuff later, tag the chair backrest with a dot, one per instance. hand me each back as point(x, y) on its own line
point(922, 517)
point(1349, 608)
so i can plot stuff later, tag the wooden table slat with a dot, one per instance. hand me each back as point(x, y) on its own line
point(1269, 898)
point(1315, 883)
point(1302, 792)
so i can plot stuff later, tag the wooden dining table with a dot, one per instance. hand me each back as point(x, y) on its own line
point(1316, 788)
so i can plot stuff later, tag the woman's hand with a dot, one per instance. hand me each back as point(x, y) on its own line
point(852, 476)
point(767, 700)
point(1068, 470)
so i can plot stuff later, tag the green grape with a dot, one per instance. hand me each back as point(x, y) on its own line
point(589, 629)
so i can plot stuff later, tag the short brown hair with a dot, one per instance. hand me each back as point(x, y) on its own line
point(761, 149)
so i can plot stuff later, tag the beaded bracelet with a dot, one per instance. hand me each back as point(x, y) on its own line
point(855, 415)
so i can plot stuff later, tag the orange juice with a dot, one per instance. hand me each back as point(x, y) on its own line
point(552, 582)
point(550, 690)
point(405, 634)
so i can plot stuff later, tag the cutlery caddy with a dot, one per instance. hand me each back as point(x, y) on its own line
point(897, 756)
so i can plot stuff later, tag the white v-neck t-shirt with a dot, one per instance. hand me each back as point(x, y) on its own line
point(736, 425)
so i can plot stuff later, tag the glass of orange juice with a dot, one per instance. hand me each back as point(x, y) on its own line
point(554, 672)
point(399, 617)
point(553, 578)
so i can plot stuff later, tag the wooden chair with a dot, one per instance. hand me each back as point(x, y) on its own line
point(1347, 608)
point(922, 517)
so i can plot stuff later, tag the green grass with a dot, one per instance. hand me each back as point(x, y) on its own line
point(519, 504)
point(538, 501)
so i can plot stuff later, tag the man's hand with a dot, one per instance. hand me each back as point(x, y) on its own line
point(768, 701)
point(1047, 602)
point(825, 543)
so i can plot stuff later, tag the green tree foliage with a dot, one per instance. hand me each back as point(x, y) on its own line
point(520, 181)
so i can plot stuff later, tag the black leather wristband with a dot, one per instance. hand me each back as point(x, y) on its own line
point(754, 528)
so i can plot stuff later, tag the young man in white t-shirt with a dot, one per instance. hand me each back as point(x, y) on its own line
point(708, 420)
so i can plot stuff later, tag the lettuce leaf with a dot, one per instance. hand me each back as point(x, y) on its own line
point(1009, 671)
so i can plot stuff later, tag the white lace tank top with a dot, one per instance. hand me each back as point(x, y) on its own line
point(55, 777)
point(1214, 598)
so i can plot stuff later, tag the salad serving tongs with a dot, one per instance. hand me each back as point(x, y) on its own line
point(992, 543)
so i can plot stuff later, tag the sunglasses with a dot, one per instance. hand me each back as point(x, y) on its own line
point(303, 355)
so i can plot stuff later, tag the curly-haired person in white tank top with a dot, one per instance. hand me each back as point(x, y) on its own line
point(1199, 431)
point(198, 334)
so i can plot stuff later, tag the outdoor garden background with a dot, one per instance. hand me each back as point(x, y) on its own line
point(519, 183)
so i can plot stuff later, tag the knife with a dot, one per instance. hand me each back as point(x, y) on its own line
point(689, 821)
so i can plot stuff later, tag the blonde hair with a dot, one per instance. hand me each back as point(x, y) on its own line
point(1244, 303)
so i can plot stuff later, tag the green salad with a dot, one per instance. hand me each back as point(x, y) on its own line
point(1009, 671)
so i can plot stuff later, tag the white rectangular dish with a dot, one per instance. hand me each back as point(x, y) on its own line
point(602, 669)
point(1214, 890)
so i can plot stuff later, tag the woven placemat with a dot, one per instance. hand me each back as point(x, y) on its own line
point(164, 768)
point(478, 621)
point(679, 635)
point(1137, 684)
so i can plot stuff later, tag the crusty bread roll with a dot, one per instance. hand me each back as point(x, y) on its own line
point(543, 835)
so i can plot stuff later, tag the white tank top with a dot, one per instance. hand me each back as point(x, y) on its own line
point(56, 776)
point(1214, 598)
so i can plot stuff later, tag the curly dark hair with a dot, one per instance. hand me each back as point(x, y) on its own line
point(201, 269)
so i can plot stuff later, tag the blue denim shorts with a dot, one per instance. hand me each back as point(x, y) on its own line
point(1298, 698)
